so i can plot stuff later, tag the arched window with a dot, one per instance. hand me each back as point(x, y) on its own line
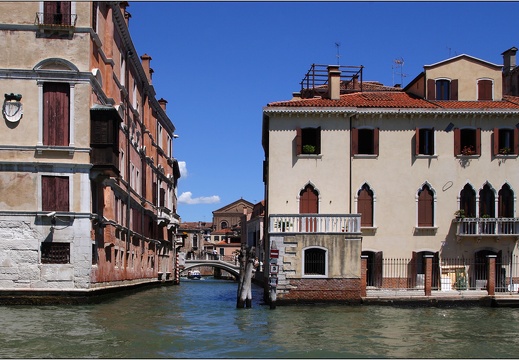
point(487, 202)
point(308, 200)
point(506, 202)
point(425, 206)
point(365, 206)
point(468, 201)
point(224, 225)
point(315, 261)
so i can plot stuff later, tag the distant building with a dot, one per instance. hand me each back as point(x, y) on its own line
point(88, 180)
point(230, 216)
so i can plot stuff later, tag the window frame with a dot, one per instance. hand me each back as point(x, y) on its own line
point(427, 135)
point(461, 143)
point(324, 252)
point(47, 181)
point(485, 92)
point(420, 204)
point(359, 134)
point(308, 136)
point(373, 207)
point(54, 253)
point(498, 145)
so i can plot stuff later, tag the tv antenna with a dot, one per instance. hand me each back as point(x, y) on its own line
point(398, 66)
point(338, 45)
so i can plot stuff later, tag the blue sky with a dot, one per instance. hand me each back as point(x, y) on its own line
point(219, 63)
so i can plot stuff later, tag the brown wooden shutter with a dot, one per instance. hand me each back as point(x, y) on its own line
point(417, 142)
point(49, 9)
point(162, 197)
point(299, 141)
point(425, 207)
point(457, 141)
point(454, 89)
point(365, 207)
point(484, 90)
point(478, 141)
point(516, 141)
point(431, 89)
point(495, 147)
point(56, 105)
point(308, 201)
point(375, 141)
point(55, 193)
point(354, 141)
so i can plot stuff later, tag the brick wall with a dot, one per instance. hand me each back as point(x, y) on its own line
point(322, 290)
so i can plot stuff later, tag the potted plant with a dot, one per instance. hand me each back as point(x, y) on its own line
point(308, 149)
point(460, 214)
point(468, 150)
point(505, 151)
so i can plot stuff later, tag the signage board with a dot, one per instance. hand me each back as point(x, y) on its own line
point(274, 269)
point(274, 253)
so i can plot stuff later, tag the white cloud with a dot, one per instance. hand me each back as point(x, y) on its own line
point(183, 169)
point(186, 198)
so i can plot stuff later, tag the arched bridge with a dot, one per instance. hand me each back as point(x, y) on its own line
point(224, 265)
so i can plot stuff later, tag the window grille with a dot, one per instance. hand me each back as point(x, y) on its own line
point(315, 262)
point(55, 253)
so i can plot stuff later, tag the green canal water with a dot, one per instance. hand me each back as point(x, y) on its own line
point(199, 319)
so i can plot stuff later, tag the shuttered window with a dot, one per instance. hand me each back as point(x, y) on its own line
point(425, 207)
point(424, 142)
point(308, 201)
point(365, 206)
point(55, 193)
point(57, 12)
point(485, 90)
point(467, 141)
point(442, 89)
point(308, 141)
point(506, 141)
point(365, 141)
point(487, 202)
point(56, 114)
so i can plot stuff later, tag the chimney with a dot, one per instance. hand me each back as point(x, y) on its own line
point(509, 60)
point(145, 60)
point(296, 96)
point(162, 102)
point(334, 82)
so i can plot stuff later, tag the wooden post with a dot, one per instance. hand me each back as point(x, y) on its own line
point(363, 275)
point(491, 278)
point(245, 285)
point(428, 274)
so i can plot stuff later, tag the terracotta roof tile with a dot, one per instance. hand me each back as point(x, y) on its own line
point(481, 105)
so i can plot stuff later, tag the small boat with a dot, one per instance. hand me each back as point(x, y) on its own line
point(194, 275)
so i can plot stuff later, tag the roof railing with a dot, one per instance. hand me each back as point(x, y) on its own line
point(315, 82)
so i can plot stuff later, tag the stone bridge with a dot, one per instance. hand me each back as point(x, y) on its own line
point(224, 265)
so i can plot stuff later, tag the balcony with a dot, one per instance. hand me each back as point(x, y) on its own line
point(61, 24)
point(487, 227)
point(315, 223)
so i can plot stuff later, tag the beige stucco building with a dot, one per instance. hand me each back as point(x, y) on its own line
point(87, 173)
point(383, 173)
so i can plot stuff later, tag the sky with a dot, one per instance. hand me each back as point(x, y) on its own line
point(218, 64)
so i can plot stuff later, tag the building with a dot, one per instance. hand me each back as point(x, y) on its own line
point(230, 216)
point(355, 169)
point(87, 172)
point(196, 235)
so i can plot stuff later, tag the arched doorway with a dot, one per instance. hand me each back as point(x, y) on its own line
point(308, 204)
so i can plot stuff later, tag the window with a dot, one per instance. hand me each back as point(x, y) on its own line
point(224, 225)
point(55, 253)
point(315, 262)
point(308, 141)
point(485, 89)
point(308, 200)
point(442, 89)
point(55, 193)
point(424, 142)
point(468, 201)
point(365, 141)
point(57, 13)
point(56, 114)
point(365, 206)
point(425, 207)
point(506, 202)
point(467, 141)
point(506, 141)
point(487, 202)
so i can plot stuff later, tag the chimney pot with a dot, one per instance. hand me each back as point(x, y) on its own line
point(334, 82)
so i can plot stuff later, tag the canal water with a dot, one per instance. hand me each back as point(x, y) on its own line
point(199, 319)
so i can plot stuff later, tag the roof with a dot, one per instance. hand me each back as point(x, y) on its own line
point(195, 225)
point(463, 56)
point(400, 100)
point(365, 99)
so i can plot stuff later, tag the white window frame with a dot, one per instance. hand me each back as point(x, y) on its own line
point(326, 262)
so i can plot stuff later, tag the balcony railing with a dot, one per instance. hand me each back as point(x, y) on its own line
point(315, 223)
point(58, 20)
point(487, 226)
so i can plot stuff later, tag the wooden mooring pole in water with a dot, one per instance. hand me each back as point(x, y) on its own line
point(245, 284)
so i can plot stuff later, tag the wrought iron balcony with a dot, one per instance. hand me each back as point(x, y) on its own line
point(56, 20)
point(487, 226)
point(315, 223)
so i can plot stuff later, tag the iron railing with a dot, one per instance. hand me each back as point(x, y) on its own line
point(56, 20)
point(315, 82)
point(487, 226)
